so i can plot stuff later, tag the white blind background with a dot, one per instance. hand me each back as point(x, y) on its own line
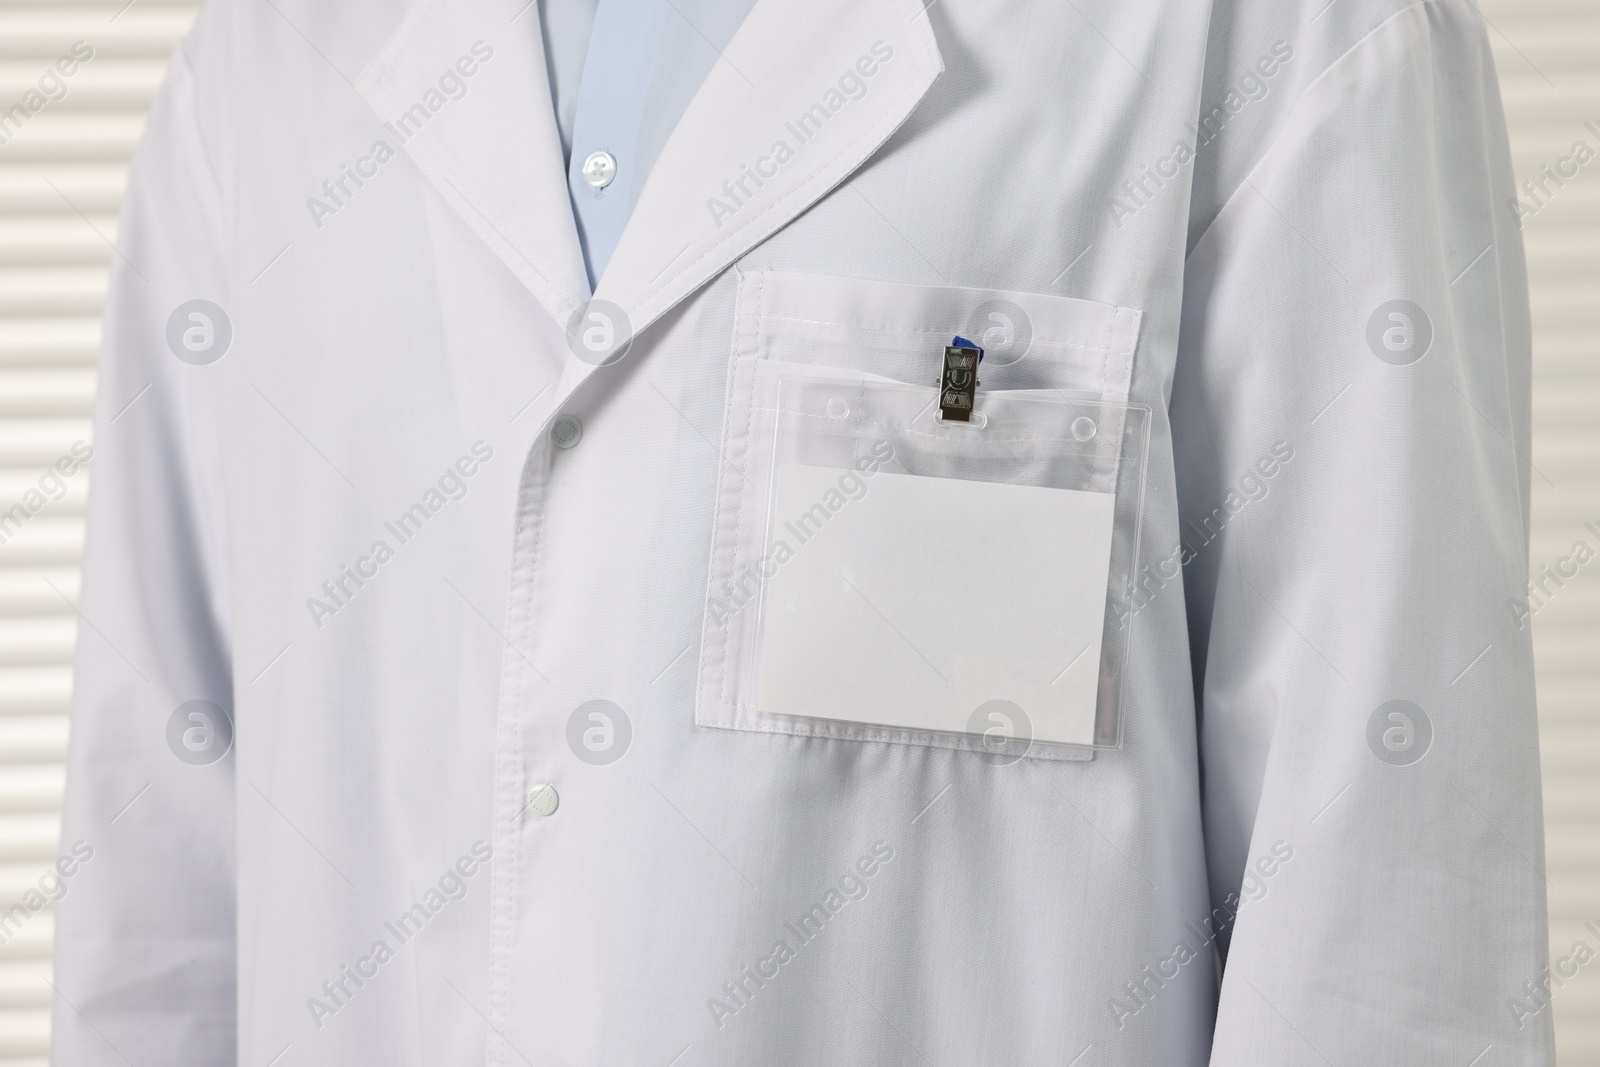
point(61, 181)
point(1548, 54)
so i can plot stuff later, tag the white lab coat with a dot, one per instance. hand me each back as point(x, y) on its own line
point(1257, 182)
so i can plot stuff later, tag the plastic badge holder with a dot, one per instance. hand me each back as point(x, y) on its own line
point(885, 574)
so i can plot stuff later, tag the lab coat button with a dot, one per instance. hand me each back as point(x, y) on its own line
point(566, 431)
point(599, 169)
point(542, 799)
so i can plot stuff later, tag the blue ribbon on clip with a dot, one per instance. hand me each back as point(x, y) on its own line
point(962, 342)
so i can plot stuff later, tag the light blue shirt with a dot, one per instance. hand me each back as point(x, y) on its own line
point(622, 72)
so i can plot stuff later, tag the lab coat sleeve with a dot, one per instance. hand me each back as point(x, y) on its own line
point(145, 959)
point(1350, 415)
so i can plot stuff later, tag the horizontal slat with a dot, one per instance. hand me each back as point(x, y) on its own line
point(37, 639)
point(33, 940)
point(36, 591)
point(39, 441)
point(30, 393)
point(65, 136)
point(1571, 797)
point(24, 1032)
point(34, 32)
point(33, 738)
point(102, 84)
point(46, 541)
point(93, 188)
point(33, 690)
point(17, 484)
point(25, 983)
point(59, 239)
point(31, 787)
point(52, 292)
point(32, 885)
point(28, 836)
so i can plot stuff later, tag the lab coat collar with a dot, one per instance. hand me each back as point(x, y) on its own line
point(782, 118)
point(492, 151)
point(803, 95)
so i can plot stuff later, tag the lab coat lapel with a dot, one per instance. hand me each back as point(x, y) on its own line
point(770, 132)
point(494, 154)
point(786, 115)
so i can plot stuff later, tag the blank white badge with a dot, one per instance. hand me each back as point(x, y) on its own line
point(914, 602)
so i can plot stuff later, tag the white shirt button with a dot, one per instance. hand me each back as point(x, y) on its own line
point(542, 799)
point(599, 169)
point(566, 431)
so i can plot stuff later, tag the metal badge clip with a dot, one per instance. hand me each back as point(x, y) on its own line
point(958, 385)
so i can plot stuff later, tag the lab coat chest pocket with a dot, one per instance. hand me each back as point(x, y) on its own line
point(881, 572)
